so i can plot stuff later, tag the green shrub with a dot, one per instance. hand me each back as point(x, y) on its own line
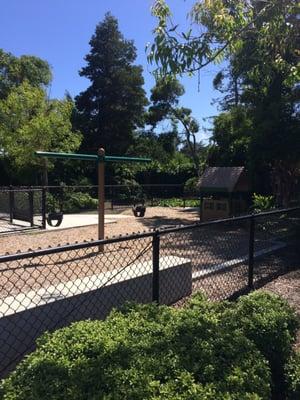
point(191, 186)
point(292, 371)
point(70, 202)
point(53, 203)
point(269, 322)
point(130, 192)
point(265, 319)
point(262, 203)
point(144, 352)
point(176, 202)
point(78, 201)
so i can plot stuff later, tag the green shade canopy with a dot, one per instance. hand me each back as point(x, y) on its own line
point(90, 157)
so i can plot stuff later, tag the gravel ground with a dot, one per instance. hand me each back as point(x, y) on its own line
point(277, 273)
point(155, 217)
point(37, 272)
point(205, 247)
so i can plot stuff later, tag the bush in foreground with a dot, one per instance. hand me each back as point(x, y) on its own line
point(293, 376)
point(207, 351)
point(266, 320)
point(147, 352)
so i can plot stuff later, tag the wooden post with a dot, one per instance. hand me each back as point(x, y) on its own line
point(101, 195)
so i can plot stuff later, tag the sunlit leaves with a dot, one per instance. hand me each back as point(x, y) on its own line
point(219, 29)
point(29, 122)
point(16, 70)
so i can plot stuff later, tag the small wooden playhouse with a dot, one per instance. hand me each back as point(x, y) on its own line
point(224, 192)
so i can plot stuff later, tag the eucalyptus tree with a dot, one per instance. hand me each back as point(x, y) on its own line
point(258, 40)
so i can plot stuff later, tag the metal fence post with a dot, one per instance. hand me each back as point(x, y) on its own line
point(44, 211)
point(11, 204)
point(251, 252)
point(155, 266)
point(31, 211)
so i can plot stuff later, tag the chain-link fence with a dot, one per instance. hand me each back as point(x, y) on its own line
point(22, 208)
point(50, 288)
point(78, 199)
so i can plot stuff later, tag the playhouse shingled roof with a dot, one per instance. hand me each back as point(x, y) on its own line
point(220, 178)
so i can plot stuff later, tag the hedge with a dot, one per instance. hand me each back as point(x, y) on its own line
point(292, 372)
point(266, 320)
point(203, 351)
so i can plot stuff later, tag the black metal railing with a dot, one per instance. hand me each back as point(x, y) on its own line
point(80, 198)
point(49, 288)
point(22, 208)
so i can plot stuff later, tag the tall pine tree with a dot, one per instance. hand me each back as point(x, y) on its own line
point(110, 109)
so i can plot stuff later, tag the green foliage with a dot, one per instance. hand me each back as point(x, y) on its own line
point(175, 170)
point(259, 83)
point(206, 350)
point(111, 108)
point(130, 193)
point(227, 28)
point(191, 186)
point(16, 70)
point(262, 203)
point(160, 148)
point(231, 134)
point(79, 201)
point(71, 202)
point(29, 122)
point(144, 352)
point(270, 323)
point(54, 204)
point(176, 202)
point(292, 373)
point(165, 99)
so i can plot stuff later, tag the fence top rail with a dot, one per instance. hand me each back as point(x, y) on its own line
point(225, 220)
point(75, 246)
point(20, 189)
point(89, 186)
point(140, 235)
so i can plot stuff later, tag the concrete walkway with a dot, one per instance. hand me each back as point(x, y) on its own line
point(77, 220)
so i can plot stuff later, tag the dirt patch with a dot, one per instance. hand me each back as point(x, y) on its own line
point(42, 271)
point(155, 217)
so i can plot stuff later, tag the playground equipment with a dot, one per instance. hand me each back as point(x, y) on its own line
point(54, 219)
point(139, 210)
point(100, 159)
point(224, 192)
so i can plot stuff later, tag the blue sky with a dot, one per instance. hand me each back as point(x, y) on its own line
point(59, 31)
